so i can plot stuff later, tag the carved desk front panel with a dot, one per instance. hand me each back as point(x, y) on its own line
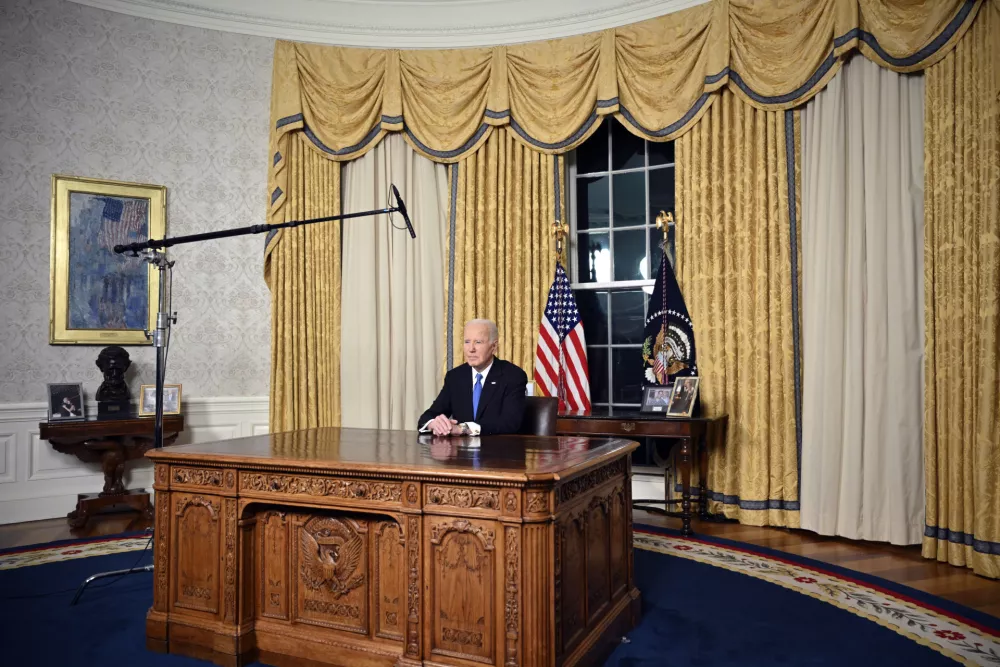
point(294, 562)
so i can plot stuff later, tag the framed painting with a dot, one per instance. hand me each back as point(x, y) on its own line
point(97, 297)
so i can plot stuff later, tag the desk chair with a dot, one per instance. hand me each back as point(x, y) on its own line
point(539, 415)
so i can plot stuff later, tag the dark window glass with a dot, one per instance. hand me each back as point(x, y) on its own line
point(597, 367)
point(592, 154)
point(661, 152)
point(592, 210)
point(627, 316)
point(630, 254)
point(593, 306)
point(661, 192)
point(626, 148)
point(630, 199)
point(627, 371)
point(593, 256)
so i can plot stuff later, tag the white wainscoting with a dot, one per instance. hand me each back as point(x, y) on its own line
point(37, 482)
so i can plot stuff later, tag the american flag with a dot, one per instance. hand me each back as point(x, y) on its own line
point(561, 356)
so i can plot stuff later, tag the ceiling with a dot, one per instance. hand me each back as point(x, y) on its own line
point(400, 23)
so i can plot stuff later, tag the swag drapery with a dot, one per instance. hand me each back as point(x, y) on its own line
point(659, 78)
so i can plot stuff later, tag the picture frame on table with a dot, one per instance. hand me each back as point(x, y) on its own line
point(683, 397)
point(65, 401)
point(96, 296)
point(656, 399)
point(171, 400)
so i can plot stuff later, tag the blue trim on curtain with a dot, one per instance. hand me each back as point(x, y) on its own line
point(392, 119)
point(937, 43)
point(968, 539)
point(288, 120)
point(713, 78)
point(448, 155)
point(591, 119)
point(451, 265)
point(277, 159)
point(557, 188)
point(497, 114)
point(771, 504)
point(794, 243)
point(275, 195)
point(787, 97)
point(374, 132)
point(673, 127)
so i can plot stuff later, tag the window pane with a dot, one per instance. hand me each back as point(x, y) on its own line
point(593, 256)
point(600, 410)
point(630, 199)
point(597, 367)
point(626, 148)
point(661, 152)
point(627, 316)
point(592, 154)
point(627, 373)
point(630, 254)
point(593, 306)
point(592, 202)
point(661, 192)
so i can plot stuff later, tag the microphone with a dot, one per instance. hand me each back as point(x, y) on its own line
point(402, 209)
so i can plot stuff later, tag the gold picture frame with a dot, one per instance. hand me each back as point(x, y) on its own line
point(171, 400)
point(683, 396)
point(98, 297)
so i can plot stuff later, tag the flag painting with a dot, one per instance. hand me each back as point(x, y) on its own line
point(561, 356)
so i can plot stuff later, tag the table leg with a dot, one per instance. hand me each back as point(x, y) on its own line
point(703, 476)
point(685, 466)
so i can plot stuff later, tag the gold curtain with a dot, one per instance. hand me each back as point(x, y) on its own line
point(962, 281)
point(502, 260)
point(302, 270)
point(734, 244)
point(656, 76)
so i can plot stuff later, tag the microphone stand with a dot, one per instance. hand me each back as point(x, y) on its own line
point(153, 254)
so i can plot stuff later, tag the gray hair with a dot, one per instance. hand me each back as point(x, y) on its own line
point(489, 324)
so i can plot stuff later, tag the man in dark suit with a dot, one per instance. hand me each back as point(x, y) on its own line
point(483, 396)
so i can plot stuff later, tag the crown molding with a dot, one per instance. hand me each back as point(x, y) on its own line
point(400, 23)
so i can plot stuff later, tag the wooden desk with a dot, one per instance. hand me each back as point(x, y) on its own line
point(693, 433)
point(110, 442)
point(363, 547)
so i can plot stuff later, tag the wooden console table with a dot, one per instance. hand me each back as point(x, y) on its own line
point(110, 442)
point(693, 432)
point(379, 548)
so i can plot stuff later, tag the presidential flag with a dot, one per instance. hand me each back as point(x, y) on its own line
point(561, 355)
point(668, 349)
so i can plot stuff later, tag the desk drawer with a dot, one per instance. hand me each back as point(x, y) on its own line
point(624, 427)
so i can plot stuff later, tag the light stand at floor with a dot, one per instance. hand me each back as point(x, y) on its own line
point(154, 252)
point(161, 339)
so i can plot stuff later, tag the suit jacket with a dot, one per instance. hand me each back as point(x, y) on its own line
point(501, 405)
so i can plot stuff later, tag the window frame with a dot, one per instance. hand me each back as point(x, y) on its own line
point(611, 286)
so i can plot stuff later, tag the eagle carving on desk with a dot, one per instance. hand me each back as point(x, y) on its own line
point(330, 553)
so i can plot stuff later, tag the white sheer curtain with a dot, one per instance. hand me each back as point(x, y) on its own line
point(863, 306)
point(392, 288)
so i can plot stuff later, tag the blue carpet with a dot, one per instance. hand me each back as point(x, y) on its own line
point(693, 614)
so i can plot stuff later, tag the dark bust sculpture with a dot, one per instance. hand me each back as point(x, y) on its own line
point(112, 395)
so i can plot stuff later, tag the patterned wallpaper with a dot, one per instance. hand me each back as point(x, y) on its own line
point(86, 92)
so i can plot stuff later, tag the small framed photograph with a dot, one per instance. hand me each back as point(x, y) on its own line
point(66, 402)
point(656, 398)
point(171, 400)
point(683, 397)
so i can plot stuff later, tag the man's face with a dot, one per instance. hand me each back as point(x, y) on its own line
point(479, 350)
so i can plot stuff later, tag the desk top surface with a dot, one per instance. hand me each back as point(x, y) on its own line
point(516, 457)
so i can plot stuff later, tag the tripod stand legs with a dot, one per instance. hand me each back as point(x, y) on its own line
point(101, 575)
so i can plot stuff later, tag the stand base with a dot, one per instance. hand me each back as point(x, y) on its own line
point(91, 504)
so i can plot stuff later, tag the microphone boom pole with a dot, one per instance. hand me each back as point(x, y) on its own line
point(252, 229)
